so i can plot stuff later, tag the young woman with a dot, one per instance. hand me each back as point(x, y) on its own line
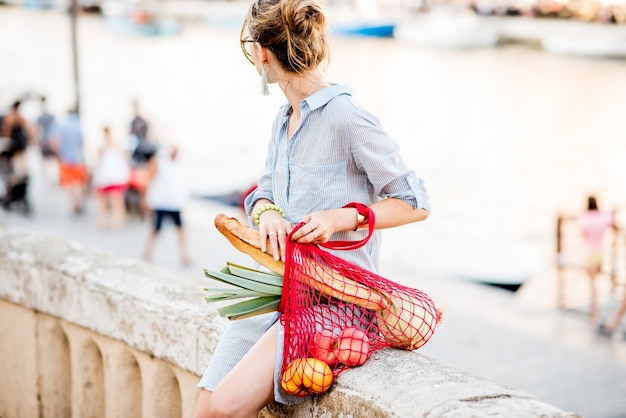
point(110, 178)
point(324, 152)
point(594, 224)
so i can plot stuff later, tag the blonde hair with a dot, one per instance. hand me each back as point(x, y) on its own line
point(294, 30)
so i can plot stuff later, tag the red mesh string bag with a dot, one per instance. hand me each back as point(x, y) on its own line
point(336, 314)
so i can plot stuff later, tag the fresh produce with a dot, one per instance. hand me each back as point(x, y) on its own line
point(324, 347)
point(354, 347)
point(262, 291)
point(320, 278)
point(407, 323)
point(306, 375)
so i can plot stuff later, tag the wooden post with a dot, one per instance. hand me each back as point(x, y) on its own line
point(73, 14)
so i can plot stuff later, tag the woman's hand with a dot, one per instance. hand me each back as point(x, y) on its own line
point(320, 226)
point(275, 227)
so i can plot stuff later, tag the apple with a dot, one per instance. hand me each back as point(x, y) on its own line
point(306, 375)
point(323, 346)
point(354, 347)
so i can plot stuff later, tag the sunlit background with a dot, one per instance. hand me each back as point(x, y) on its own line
point(511, 111)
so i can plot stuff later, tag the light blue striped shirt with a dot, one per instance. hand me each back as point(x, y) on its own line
point(338, 154)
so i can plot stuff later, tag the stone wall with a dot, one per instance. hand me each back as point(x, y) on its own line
point(88, 334)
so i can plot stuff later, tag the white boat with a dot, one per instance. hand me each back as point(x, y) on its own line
point(447, 28)
point(586, 46)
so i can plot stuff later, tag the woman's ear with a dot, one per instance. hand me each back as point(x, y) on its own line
point(264, 54)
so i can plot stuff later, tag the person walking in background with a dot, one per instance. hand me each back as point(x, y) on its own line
point(594, 224)
point(15, 128)
point(138, 125)
point(142, 149)
point(14, 171)
point(45, 128)
point(165, 197)
point(110, 179)
point(324, 152)
point(72, 169)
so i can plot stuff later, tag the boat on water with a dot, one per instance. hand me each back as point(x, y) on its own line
point(586, 46)
point(448, 28)
point(469, 255)
point(364, 28)
point(362, 18)
point(138, 18)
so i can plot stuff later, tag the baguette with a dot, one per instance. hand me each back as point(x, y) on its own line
point(247, 240)
point(321, 278)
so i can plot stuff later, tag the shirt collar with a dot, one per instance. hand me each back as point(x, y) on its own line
point(323, 96)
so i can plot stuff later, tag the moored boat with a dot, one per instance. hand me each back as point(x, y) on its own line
point(447, 28)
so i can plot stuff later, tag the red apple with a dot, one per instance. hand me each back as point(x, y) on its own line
point(324, 347)
point(354, 347)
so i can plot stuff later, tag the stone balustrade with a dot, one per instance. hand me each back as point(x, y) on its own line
point(88, 334)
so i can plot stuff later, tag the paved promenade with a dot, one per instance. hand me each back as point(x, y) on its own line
point(520, 340)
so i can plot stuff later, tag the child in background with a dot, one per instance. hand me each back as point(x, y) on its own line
point(165, 197)
point(110, 179)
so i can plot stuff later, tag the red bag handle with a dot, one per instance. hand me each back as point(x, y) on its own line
point(370, 218)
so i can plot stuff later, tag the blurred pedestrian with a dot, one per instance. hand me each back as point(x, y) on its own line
point(15, 128)
point(594, 224)
point(166, 197)
point(110, 179)
point(138, 125)
point(141, 146)
point(72, 168)
point(45, 130)
point(142, 149)
point(14, 175)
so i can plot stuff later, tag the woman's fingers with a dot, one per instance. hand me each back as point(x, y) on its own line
point(276, 232)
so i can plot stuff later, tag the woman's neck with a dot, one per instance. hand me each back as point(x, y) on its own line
point(298, 87)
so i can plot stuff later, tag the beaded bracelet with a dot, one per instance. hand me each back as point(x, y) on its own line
point(266, 207)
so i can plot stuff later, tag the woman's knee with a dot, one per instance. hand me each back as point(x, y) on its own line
point(203, 404)
point(210, 406)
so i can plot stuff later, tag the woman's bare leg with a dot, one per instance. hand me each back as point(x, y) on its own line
point(611, 326)
point(248, 387)
point(101, 211)
point(593, 311)
point(202, 404)
point(118, 210)
point(182, 245)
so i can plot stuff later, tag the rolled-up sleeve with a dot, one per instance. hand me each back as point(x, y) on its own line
point(378, 155)
point(409, 188)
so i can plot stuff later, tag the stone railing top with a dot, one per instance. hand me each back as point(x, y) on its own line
point(162, 313)
point(146, 307)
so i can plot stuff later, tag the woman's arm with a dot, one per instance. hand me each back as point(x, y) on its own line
point(392, 212)
point(389, 213)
